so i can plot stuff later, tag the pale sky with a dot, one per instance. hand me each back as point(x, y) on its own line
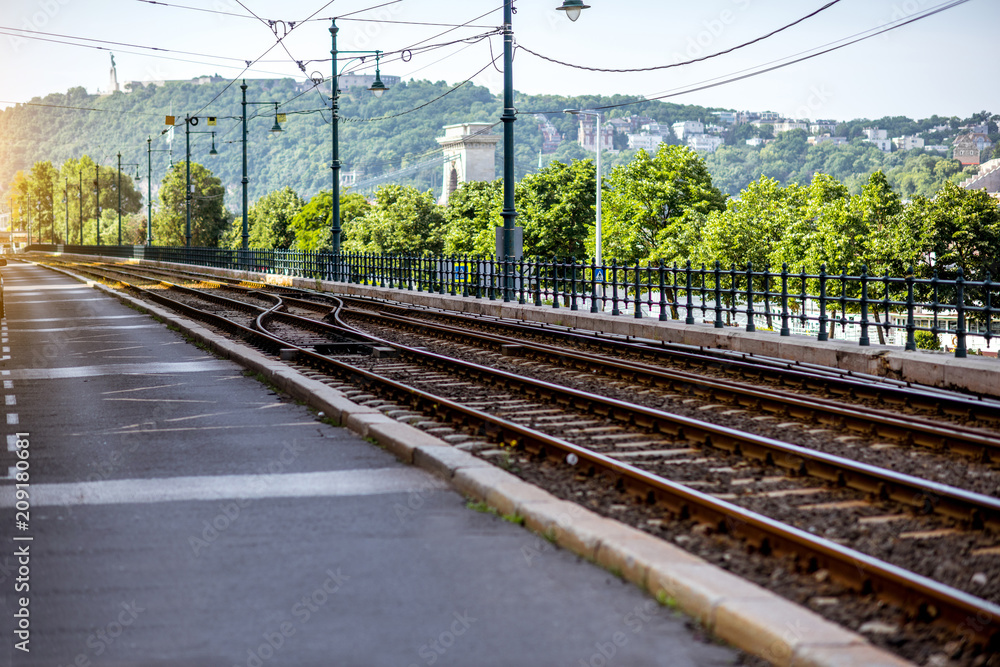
point(940, 65)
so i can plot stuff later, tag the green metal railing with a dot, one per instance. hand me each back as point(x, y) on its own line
point(785, 301)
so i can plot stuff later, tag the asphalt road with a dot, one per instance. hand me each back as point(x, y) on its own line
point(183, 513)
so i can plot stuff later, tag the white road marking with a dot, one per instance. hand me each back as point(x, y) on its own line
point(122, 369)
point(10, 399)
point(179, 489)
point(12, 442)
point(30, 289)
point(58, 300)
point(8, 384)
point(95, 327)
point(82, 317)
point(12, 419)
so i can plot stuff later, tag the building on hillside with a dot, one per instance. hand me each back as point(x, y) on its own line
point(470, 155)
point(819, 127)
point(907, 142)
point(551, 137)
point(827, 139)
point(587, 134)
point(787, 125)
point(987, 179)
point(966, 150)
point(756, 141)
point(645, 141)
point(874, 135)
point(685, 128)
point(635, 123)
point(937, 148)
point(726, 117)
point(704, 143)
point(714, 129)
point(621, 125)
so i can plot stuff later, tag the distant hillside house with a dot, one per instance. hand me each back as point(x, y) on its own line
point(647, 142)
point(987, 179)
point(827, 139)
point(685, 128)
point(587, 135)
point(821, 127)
point(788, 125)
point(874, 135)
point(966, 150)
point(907, 143)
point(704, 143)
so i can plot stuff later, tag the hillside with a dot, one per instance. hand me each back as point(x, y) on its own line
point(300, 155)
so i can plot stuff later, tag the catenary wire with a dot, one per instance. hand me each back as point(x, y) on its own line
point(686, 62)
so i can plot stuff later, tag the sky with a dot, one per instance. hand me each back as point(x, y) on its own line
point(939, 65)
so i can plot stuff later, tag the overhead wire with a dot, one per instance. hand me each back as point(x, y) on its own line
point(686, 62)
point(782, 62)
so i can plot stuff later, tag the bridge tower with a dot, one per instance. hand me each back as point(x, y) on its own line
point(470, 155)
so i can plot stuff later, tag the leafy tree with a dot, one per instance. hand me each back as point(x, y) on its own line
point(312, 224)
point(403, 220)
point(472, 213)
point(964, 231)
point(209, 217)
point(556, 209)
point(649, 195)
point(269, 222)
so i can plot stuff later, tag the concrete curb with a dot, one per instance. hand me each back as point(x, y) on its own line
point(736, 611)
point(976, 374)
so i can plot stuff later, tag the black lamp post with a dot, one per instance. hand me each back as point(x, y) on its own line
point(377, 89)
point(149, 184)
point(275, 129)
point(188, 122)
point(120, 165)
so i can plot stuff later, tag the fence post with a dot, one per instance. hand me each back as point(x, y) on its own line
point(572, 284)
point(538, 282)
point(663, 296)
point(638, 296)
point(614, 287)
point(822, 303)
point(864, 341)
point(718, 296)
point(750, 313)
point(555, 282)
point(785, 331)
point(690, 305)
point(911, 343)
point(988, 309)
point(593, 285)
point(960, 306)
point(520, 275)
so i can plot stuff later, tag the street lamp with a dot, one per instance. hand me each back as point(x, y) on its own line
point(509, 213)
point(275, 129)
point(66, 204)
point(573, 8)
point(597, 229)
point(188, 122)
point(377, 89)
point(149, 183)
point(129, 164)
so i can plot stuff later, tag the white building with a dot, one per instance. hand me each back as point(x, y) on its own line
point(727, 117)
point(874, 135)
point(647, 142)
point(827, 139)
point(586, 134)
point(907, 143)
point(789, 125)
point(937, 148)
point(471, 148)
point(823, 127)
point(755, 141)
point(685, 128)
point(707, 143)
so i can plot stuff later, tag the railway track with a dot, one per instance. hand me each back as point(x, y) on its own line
point(491, 406)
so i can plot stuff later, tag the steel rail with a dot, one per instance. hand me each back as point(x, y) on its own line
point(911, 430)
point(889, 393)
point(922, 597)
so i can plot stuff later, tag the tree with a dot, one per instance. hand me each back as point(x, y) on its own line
point(402, 221)
point(209, 217)
point(269, 222)
point(311, 226)
point(472, 213)
point(556, 209)
point(649, 195)
point(963, 227)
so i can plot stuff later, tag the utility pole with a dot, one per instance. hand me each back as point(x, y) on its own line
point(246, 180)
point(97, 191)
point(335, 153)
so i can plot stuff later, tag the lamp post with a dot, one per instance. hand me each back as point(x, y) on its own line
point(80, 174)
point(509, 115)
point(377, 89)
point(597, 229)
point(275, 129)
point(66, 203)
point(97, 195)
point(188, 122)
point(149, 184)
point(129, 164)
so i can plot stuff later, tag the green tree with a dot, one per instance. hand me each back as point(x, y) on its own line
point(269, 221)
point(649, 195)
point(402, 221)
point(311, 226)
point(472, 213)
point(209, 218)
point(556, 208)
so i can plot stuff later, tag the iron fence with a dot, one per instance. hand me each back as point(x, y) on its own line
point(893, 307)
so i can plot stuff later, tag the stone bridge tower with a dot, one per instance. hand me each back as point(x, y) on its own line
point(470, 155)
